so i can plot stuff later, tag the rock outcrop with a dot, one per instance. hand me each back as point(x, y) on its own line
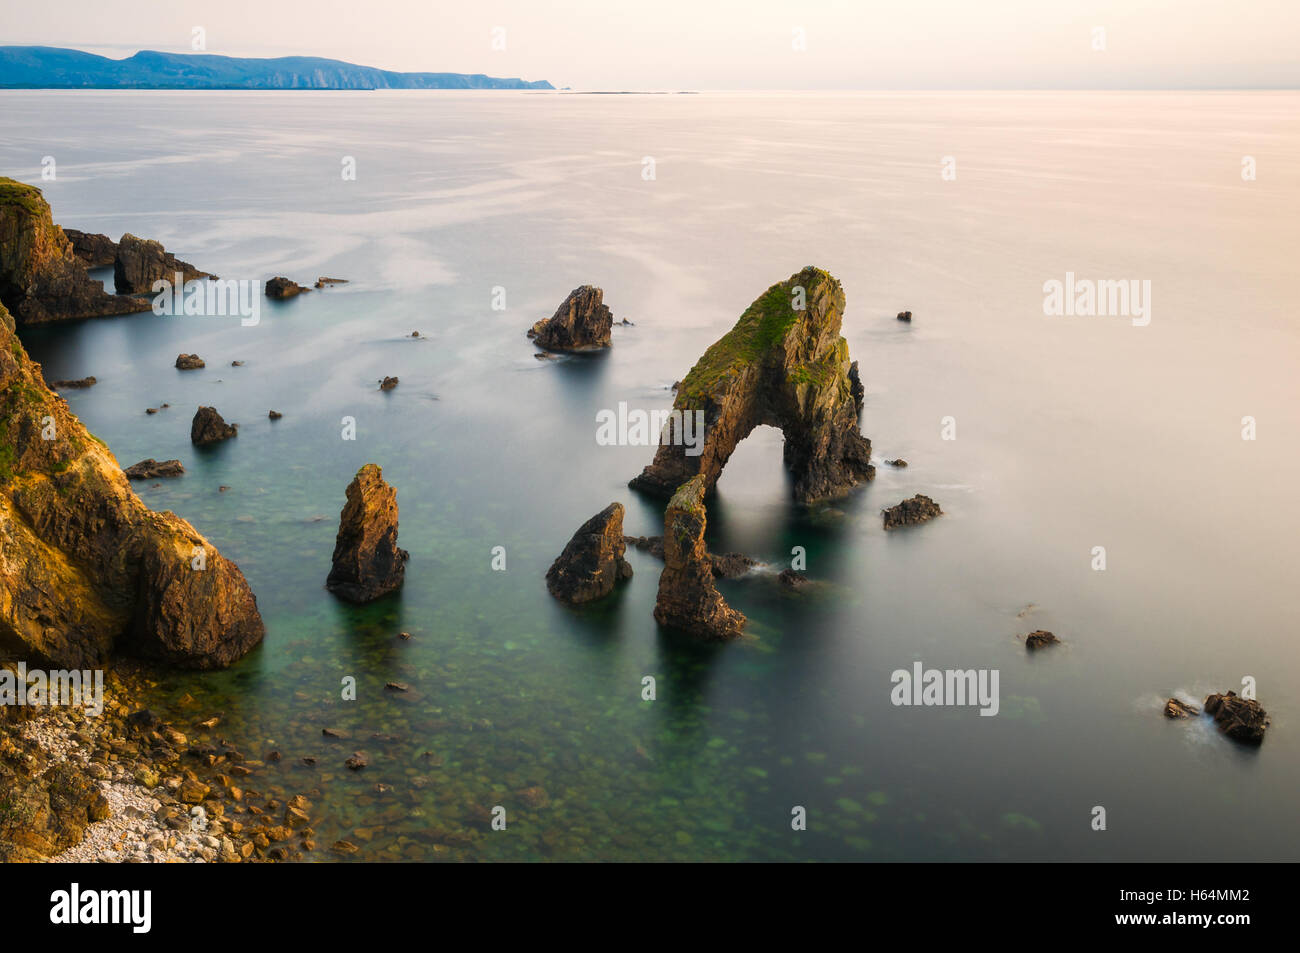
point(86, 569)
point(592, 561)
point(581, 323)
point(209, 427)
point(918, 509)
point(41, 278)
point(784, 364)
point(81, 383)
point(1241, 719)
point(189, 362)
point(688, 599)
point(152, 469)
point(97, 251)
point(281, 288)
point(139, 262)
point(1040, 639)
point(367, 562)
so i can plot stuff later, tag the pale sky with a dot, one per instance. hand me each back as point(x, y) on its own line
point(721, 44)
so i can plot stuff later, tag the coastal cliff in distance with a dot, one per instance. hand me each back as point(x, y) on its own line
point(86, 569)
point(48, 67)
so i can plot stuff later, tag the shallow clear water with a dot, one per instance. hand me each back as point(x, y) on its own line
point(1071, 433)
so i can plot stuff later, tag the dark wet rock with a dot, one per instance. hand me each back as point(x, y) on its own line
point(781, 367)
point(897, 463)
point(152, 469)
point(357, 761)
point(724, 565)
point(140, 262)
point(1180, 709)
point(79, 384)
point(281, 288)
point(918, 509)
point(208, 427)
point(388, 383)
point(323, 281)
point(1040, 639)
point(151, 410)
point(688, 599)
point(189, 362)
point(274, 415)
point(905, 315)
point(97, 251)
point(42, 281)
point(236, 363)
point(88, 570)
point(592, 561)
point(367, 561)
point(143, 719)
point(795, 581)
point(1241, 719)
point(581, 323)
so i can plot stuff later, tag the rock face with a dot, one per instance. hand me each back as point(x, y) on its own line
point(918, 509)
point(140, 262)
point(209, 427)
point(581, 323)
point(97, 251)
point(41, 278)
point(1241, 719)
point(786, 368)
point(281, 288)
point(152, 469)
point(86, 569)
point(367, 562)
point(688, 599)
point(592, 561)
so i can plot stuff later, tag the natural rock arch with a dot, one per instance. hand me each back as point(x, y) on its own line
point(784, 364)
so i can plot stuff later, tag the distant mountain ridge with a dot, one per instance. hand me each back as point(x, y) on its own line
point(49, 67)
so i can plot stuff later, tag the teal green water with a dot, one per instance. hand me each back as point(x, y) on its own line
point(1070, 435)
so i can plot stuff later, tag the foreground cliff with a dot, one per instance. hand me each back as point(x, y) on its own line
point(41, 278)
point(784, 364)
point(85, 568)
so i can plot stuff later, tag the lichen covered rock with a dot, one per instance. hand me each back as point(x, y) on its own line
point(581, 323)
point(367, 561)
point(785, 365)
point(592, 561)
point(85, 568)
point(688, 600)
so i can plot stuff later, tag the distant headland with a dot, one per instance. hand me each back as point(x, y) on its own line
point(48, 67)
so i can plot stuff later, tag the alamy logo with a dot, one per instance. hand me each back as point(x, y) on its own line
point(932, 686)
point(61, 687)
point(73, 906)
point(216, 297)
point(636, 428)
point(1128, 298)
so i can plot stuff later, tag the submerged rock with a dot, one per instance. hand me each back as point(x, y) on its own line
point(592, 561)
point(189, 362)
point(1241, 719)
point(781, 366)
point(86, 569)
point(282, 288)
point(367, 561)
point(151, 469)
point(97, 251)
point(1179, 709)
point(42, 280)
point(581, 323)
point(795, 581)
point(1040, 639)
point(208, 427)
point(139, 262)
point(688, 599)
point(918, 509)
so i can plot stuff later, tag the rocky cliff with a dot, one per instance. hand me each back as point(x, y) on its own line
point(784, 364)
point(41, 278)
point(85, 568)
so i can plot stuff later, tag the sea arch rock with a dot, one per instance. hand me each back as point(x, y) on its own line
point(786, 365)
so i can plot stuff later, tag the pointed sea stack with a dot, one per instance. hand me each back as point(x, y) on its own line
point(367, 561)
point(784, 364)
point(209, 427)
point(592, 562)
point(688, 599)
point(581, 323)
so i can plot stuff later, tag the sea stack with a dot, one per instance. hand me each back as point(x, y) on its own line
point(580, 323)
point(592, 561)
point(919, 509)
point(208, 427)
point(139, 262)
point(367, 561)
point(688, 599)
point(784, 364)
